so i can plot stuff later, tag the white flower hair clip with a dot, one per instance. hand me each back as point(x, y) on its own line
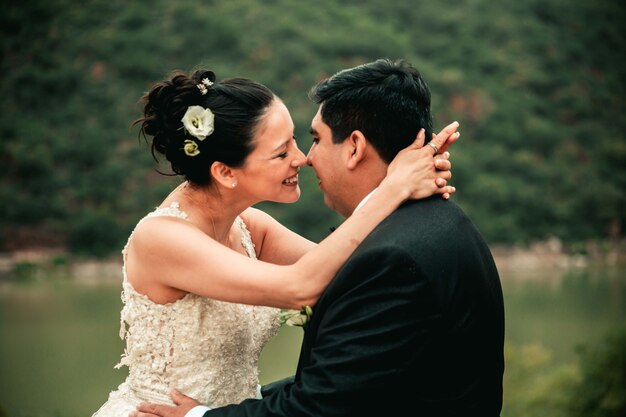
point(191, 148)
point(199, 123)
point(204, 85)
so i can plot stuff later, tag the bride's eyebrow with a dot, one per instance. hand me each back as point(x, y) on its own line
point(281, 146)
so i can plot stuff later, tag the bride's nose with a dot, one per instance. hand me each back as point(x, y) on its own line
point(299, 159)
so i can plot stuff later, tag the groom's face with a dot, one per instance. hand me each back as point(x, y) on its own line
point(325, 158)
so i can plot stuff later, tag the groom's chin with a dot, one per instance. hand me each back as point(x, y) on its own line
point(335, 207)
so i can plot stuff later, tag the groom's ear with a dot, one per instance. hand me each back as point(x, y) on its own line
point(356, 149)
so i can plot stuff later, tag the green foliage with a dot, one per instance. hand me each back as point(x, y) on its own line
point(602, 391)
point(93, 232)
point(25, 272)
point(538, 87)
point(594, 387)
point(534, 386)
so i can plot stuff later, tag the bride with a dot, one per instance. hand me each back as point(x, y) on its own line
point(205, 275)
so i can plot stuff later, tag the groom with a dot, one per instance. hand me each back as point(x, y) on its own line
point(413, 323)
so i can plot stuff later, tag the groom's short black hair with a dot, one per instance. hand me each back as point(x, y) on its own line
point(388, 101)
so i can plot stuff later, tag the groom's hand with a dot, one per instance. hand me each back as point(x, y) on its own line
point(182, 407)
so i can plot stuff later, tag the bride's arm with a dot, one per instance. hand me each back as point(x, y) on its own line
point(174, 254)
point(273, 242)
point(279, 245)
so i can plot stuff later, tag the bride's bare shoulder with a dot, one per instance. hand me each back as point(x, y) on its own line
point(161, 231)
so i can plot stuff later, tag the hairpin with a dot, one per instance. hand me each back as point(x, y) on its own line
point(203, 86)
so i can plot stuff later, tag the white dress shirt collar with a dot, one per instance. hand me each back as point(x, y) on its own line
point(362, 203)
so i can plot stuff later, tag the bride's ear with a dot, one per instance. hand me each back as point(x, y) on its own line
point(223, 174)
point(356, 149)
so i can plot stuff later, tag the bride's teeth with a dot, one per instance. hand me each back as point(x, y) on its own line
point(291, 180)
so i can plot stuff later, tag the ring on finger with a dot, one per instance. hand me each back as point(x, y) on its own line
point(432, 145)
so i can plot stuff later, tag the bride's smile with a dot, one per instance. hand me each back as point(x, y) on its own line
point(291, 181)
point(270, 172)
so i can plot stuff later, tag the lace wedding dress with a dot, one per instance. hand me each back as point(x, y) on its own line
point(205, 348)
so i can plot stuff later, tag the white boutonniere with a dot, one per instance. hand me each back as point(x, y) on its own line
point(198, 122)
point(299, 318)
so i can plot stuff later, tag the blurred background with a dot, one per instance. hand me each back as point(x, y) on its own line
point(537, 86)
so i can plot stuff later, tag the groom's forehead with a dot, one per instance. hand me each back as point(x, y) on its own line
point(318, 126)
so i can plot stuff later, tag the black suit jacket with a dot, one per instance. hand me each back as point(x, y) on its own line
point(413, 324)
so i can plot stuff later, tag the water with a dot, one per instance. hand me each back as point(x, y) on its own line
point(562, 310)
point(59, 339)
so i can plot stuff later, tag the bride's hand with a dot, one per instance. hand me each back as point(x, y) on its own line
point(423, 170)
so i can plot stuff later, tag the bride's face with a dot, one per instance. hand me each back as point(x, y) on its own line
point(270, 172)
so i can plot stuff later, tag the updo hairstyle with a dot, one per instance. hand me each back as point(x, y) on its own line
point(237, 103)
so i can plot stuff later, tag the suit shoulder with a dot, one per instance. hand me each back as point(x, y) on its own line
point(430, 214)
point(432, 206)
point(427, 225)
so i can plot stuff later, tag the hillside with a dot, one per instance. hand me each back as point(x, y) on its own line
point(538, 87)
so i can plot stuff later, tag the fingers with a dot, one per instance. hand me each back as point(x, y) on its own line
point(419, 140)
point(179, 398)
point(446, 192)
point(442, 178)
point(183, 405)
point(451, 139)
point(446, 137)
point(443, 155)
point(151, 410)
point(445, 175)
point(442, 163)
point(140, 414)
point(418, 143)
point(446, 132)
point(443, 166)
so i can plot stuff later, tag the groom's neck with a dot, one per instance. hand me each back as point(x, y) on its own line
point(362, 184)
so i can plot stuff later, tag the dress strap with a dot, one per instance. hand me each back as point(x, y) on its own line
point(246, 239)
point(173, 210)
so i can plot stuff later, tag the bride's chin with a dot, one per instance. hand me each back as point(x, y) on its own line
point(295, 196)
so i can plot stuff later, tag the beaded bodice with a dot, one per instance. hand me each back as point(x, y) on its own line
point(207, 349)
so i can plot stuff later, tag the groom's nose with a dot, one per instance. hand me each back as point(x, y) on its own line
point(309, 156)
point(300, 158)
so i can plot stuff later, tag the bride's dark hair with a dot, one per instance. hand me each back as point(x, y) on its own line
point(237, 103)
